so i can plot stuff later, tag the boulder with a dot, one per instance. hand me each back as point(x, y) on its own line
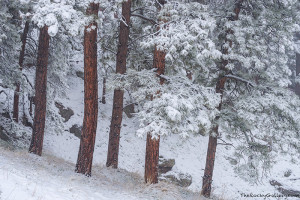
point(3, 135)
point(129, 110)
point(180, 179)
point(80, 74)
point(288, 173)
point(66, 113)
point(285, 191)
point(76, 130)
point(165, 165)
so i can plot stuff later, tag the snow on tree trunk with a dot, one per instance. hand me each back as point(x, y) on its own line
point(152, 145)
point(116, 119)
point(21, 60)
point(36, 145)
point(212, 143)
point(87, 141)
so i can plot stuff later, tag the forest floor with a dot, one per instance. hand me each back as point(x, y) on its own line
point(26, 176)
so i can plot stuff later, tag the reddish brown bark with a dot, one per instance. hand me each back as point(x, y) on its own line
point(212, 143)
point(212, 147)
point(116, 119)
point(21, 60)
point(152, 144)
point(151, 161)
point(36, 145)
point(87, 140)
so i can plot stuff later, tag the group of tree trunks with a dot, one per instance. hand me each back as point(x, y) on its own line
point(87, 141)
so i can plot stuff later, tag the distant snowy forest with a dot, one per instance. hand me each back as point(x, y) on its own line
point(183, 92)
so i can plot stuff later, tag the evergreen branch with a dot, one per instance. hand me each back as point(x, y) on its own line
point(239, 79)
point(144, 18)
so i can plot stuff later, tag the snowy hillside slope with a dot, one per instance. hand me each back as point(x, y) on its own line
point(26, 176)
point(40, 178)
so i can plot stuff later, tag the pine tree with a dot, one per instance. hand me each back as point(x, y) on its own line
point(116, 119)
point(152, 143)
point(21, 61)
point(212, 143)
point(40, 99)
point(87, 141)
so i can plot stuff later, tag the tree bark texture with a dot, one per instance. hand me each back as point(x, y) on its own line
point(152, 144)
point(116, 119)
point(212, 147)
point(151, 161)
point(36, 145)
point(21, 60)
point(212, 143)
point(87, 140)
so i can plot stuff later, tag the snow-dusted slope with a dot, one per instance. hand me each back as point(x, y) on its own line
point(26, 176)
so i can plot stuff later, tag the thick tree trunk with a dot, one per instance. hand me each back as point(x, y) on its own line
point(87, 140)
point(152, 145)
point(21, 60)
point(36, 145)
point(151, 161)
point(104, 91)
point(212, 143)
point(116, 119)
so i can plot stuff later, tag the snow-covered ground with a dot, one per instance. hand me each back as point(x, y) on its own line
point(25, 176)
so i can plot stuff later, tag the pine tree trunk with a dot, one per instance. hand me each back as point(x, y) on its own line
point(36, 145)
point(87, 140)
point(104, 91)
point(116, 119)
point(151, 161)
point(21, 60)
point(212, 143)
point(152, 145)
point(212, 147)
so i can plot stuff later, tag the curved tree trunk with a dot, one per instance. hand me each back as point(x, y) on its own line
point(116, 119)
point(21, 60)
point(212, 143)
point(87, 140)
point(36, 145)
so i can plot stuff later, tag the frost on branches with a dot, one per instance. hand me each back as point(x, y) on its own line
point(258, 110)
